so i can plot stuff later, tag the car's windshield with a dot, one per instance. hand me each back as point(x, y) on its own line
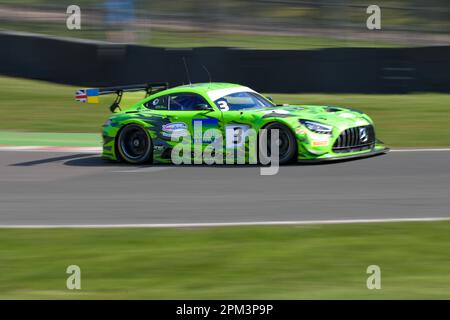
point(241, 101)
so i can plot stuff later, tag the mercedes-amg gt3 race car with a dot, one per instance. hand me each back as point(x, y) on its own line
point(145, 131)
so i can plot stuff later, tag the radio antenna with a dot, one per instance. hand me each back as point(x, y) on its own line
point(207, 71)
point(187, 70)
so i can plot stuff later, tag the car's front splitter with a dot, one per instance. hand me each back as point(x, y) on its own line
point(371, 153)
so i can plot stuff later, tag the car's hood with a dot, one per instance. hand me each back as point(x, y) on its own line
point(336, 116)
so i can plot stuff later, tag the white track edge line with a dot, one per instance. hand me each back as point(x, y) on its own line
point(421, 150)
point(219, 224)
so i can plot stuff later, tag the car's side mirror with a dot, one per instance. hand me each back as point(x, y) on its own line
point(270, 99)
point(203, 106)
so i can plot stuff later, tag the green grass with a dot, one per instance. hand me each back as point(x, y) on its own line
point(295, 262)
point(50, 139)
point(408, 120)
point(28, 105)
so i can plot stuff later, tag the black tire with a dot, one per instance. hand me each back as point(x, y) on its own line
point(287, 142)
point(134, 144)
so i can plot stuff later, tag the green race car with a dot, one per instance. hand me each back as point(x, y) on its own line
point(149, 130)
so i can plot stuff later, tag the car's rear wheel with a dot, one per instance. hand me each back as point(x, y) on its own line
point(286, 142)
point(134, 144)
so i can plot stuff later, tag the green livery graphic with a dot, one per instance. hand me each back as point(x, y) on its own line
point(149, 130)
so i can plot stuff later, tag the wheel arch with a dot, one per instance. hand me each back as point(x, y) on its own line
point(277, 121)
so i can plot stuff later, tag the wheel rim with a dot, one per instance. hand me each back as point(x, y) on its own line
point(283, 143)
point(134, 143)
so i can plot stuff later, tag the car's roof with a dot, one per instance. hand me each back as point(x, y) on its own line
point(210, 89)
point(209, 86)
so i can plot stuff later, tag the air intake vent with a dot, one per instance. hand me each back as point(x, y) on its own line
point(355, 139)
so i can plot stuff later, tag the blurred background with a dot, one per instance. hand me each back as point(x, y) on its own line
point(316, 52)
point(291, 24)
point(134, 41)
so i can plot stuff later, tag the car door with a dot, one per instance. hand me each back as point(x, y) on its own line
point(236, 123)
point(187, 110)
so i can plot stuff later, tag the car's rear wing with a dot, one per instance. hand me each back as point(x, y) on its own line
point(92, 95)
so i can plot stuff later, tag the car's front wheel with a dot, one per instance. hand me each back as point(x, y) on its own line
point(134, 144)
point(286, 142)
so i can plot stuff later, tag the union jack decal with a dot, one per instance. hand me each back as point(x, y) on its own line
point(81, 95)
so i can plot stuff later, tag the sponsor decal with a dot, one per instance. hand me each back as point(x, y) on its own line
point(206, 124)
point(173, 126)
point(175, 129)
point(320, 140)
point(319, 143)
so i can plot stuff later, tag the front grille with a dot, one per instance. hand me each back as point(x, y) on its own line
point(355, 139)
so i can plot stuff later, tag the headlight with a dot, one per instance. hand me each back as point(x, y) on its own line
point(317, 127)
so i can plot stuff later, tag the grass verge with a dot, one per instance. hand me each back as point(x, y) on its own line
point(291, 262)
point(50, 139)
point(409, 120)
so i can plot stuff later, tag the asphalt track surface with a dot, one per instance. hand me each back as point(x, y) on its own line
point(51, 188)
